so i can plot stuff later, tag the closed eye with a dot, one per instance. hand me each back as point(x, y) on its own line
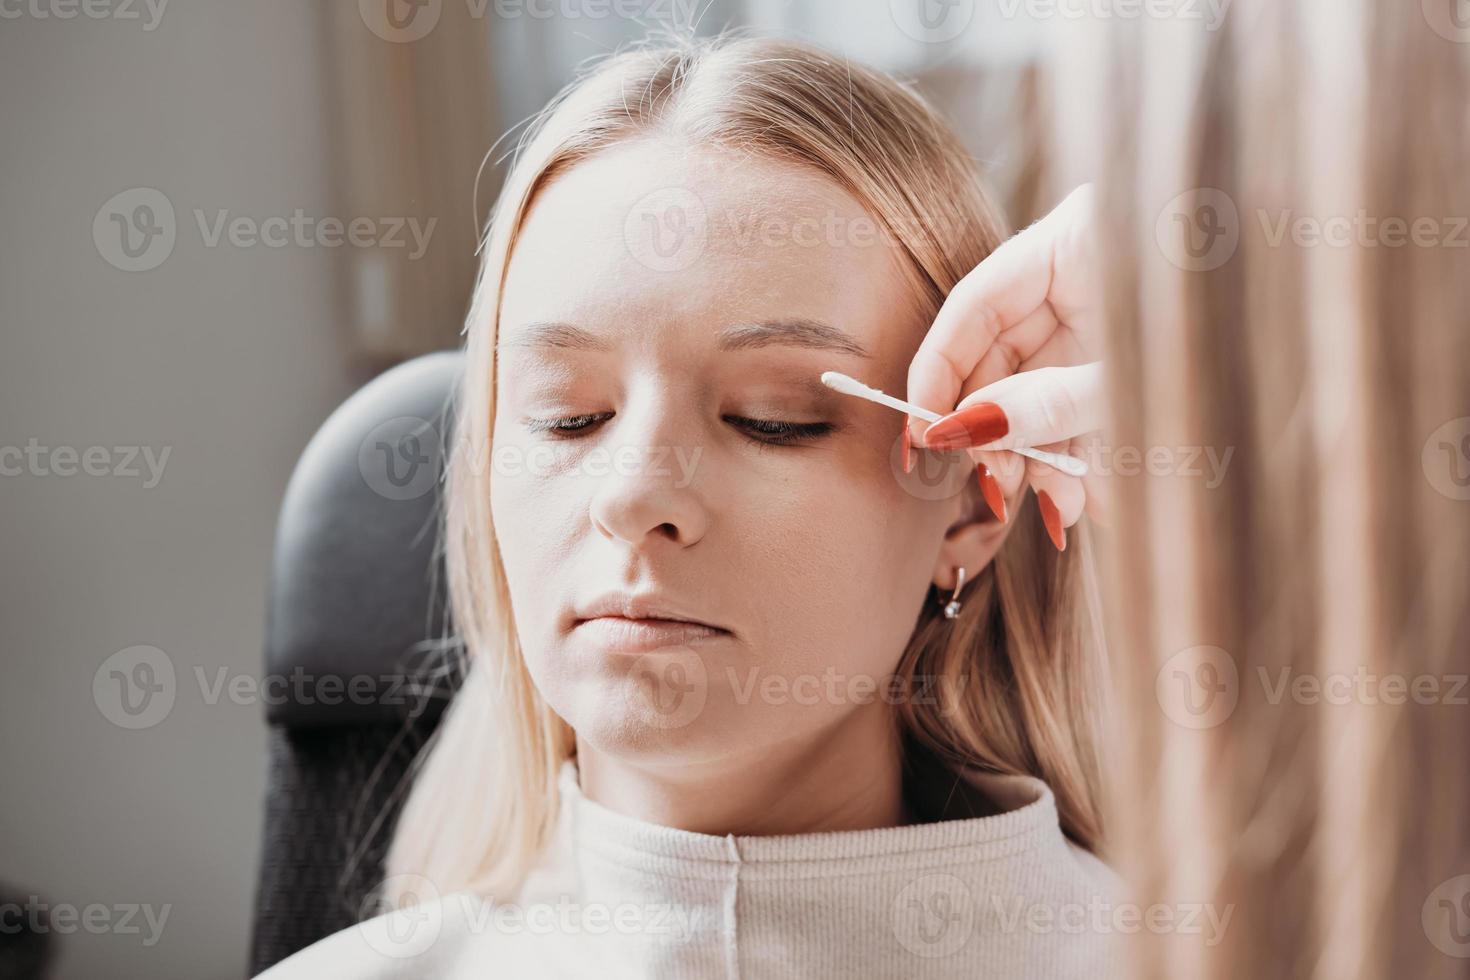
point(566, 426)
point(771, 431)
point(781, 433)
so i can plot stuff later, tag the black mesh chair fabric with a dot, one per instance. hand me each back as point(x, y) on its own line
point(355, 647)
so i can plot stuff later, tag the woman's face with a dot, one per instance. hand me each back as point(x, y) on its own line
point(662, 306)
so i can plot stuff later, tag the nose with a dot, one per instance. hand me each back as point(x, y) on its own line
point(649, 492)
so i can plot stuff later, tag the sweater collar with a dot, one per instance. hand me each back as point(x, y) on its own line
point(1021, 813)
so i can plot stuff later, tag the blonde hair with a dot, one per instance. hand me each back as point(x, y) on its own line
point(484, 800)
point(1334, 545)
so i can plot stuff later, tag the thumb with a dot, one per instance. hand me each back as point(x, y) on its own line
point(1032, 408)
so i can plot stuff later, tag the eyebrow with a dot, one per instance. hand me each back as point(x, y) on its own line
point(799, 332)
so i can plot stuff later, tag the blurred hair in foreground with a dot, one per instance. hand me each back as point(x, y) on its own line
point(1337, 369)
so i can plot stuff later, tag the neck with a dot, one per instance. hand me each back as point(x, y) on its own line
point(849, 777)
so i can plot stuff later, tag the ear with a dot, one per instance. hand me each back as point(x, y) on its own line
point(972, 540)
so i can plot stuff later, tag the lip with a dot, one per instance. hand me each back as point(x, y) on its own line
point(644, 635)
point(638, 607)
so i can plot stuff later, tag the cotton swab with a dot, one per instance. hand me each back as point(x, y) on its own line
point(1070, 465)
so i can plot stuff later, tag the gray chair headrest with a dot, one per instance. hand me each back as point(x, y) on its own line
point(356, 619)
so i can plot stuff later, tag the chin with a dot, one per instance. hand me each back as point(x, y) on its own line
point(656, 712)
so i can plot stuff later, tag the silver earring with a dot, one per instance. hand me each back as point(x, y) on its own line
point(952, 608)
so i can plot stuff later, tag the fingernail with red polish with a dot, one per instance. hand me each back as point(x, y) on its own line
point(1052, 518)
point(990, 488)
point(973, 426)
point(908, 447)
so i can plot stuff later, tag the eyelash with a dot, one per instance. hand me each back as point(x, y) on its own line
point(775, 432)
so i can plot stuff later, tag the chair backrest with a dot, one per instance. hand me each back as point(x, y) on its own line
point(355, 651)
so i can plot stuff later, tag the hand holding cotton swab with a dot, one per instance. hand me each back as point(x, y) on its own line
point(1070, 465)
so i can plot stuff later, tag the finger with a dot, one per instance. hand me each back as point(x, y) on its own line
point(1013, 282)
point(1002, 478)
point(1051, 404)
point(1060, 497)
point(1096, 484)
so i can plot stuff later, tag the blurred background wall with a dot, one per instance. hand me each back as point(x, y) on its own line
point(221, 218)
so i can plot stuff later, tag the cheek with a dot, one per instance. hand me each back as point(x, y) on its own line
point(532, 519)
point(842, 575)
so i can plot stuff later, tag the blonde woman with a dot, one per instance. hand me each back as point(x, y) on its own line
point(754, 687)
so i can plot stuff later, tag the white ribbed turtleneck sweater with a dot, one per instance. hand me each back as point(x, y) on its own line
point(1003, 895)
